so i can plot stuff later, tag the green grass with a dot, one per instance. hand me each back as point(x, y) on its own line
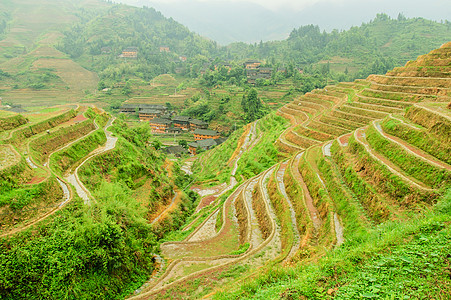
point(419, 138)
point(265, 153)
point(63, 160)
point(398, 260)
point(412, 165)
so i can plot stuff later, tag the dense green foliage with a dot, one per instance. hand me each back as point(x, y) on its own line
point(26, 132)
point(121, 27)
point(63, 160)
point(265, 153)
point(373, 47)
point(87, 252)
point(12, 122)
point(252, 106)
point(412, 165)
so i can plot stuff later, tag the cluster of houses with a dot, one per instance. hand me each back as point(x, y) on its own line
point(132, 52)
point(163, 121)
point(254, 71)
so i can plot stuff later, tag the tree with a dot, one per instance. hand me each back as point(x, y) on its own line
point(156, 144)
point(183, 143)
point(252, 106)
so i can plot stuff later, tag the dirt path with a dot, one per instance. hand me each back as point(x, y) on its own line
point(73, 177)
point(314, 214)
point(339, 231)
point(343, 139)
point(411, 149)
point(424, 106)
point(67, 191)
point(256, 234)
point(404, 123)
point(212, 264)
point(360, 138)
point(281, 187)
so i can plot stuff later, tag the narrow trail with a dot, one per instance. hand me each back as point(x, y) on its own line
point(360, 138)
point(73, 177)
point(256, 234)
point(219, 262)
point(11, 132)
point(339, 230)
point(434, 111)
point(347, 191)
point(46, 163)
point(251, 139)
point(343, 139)
point(404, 123)
point(281, 187)
point(411, 149)
point(314, 214)
point(67, 197)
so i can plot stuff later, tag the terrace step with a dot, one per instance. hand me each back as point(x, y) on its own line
point(281, 188)
point(360, 138)
point(384, 102)
point(376, 107)
point(411, 149)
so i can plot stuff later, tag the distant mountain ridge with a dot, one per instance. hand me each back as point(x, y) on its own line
point(228, 22)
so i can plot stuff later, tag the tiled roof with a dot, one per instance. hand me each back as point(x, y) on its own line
point(206, 132)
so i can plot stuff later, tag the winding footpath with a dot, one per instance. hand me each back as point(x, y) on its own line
point(73, 177)
point(67, 191)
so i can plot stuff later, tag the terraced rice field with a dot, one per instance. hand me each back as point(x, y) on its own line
point(357, 159)
point(25, 156)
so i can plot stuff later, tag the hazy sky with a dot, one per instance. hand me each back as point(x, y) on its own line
point(301, 4)
point(271, 4)
point(227, 21)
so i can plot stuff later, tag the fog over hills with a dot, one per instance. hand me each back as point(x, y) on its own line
point(227, 21)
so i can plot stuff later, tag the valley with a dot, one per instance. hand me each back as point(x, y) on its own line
point(323, 186)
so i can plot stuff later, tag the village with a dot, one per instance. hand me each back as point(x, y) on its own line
point(162, 121)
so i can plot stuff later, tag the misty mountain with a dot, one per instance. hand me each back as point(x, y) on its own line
point(227, 22)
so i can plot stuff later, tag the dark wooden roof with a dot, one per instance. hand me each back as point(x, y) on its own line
point(198, 122)
point(206, 132)
point(181, 119)
point(160, 121)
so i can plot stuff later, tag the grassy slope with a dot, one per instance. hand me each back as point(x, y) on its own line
point(392, 261)
point(41, 74)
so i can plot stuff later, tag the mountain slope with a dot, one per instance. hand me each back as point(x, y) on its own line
point(360, 191)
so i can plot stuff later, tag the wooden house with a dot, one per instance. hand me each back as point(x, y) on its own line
point(165, 49)
point(149, 114)
point(265, 72)
point(197, 124)
point(177, 151)
point(202, 134)
point(204, 144)
point(105, 50)
point(130, 52)
point(181, 122)
point(159, 125)
point(252, 64)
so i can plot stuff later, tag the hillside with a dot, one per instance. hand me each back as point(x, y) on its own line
point(80, 197)
point(32, 71)
point(361, 181)
point(337, 192)
point(373, 47)
point(97, 42)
